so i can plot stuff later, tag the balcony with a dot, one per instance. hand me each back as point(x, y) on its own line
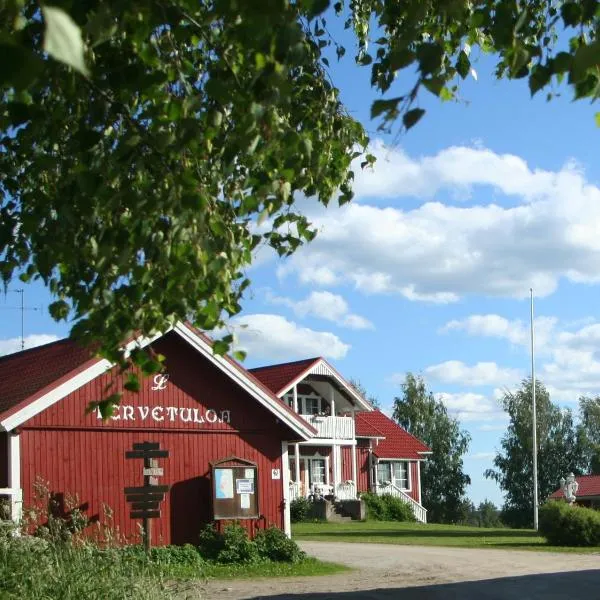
point(340, 428)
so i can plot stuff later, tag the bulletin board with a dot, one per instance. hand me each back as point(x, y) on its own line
point(235, 489)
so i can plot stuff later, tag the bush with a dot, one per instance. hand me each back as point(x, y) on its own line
point(274, 545)
point(231, 546)
point(166, 556)
point(387, 508)
point(299, 509)
point(565, 525)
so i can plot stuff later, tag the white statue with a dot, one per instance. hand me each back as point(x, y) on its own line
point(569, 487)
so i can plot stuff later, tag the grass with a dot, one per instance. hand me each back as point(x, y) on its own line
point(419, 534)
point(307, 567)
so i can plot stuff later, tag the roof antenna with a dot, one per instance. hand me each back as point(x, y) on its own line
point(22, 308)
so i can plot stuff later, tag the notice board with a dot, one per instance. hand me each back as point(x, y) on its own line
point(235, 489)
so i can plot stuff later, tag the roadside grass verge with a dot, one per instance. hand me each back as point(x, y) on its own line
point(419, 534)
point(308, 567)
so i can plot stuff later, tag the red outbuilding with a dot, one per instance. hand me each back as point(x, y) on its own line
point(240, 443)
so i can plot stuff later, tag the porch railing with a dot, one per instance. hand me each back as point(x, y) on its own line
point(341, 428)
point(295, 491)
point(15, 499)
point(346, 491)
point(389, 488)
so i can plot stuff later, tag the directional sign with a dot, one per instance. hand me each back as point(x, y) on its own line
point(145, 497)
point(153, 471)
point(147, 489)
point(145, 505)
point(145, 514)
point(147, 454)
point(146, 446)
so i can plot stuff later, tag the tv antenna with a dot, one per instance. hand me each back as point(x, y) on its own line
point(22, 308)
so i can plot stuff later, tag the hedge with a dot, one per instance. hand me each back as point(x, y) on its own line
point(563, 524)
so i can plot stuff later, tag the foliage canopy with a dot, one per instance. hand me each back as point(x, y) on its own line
point(148, 148)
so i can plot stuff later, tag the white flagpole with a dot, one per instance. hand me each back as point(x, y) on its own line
point(534, 421)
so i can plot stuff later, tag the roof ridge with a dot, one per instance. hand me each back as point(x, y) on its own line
point(285, 364)
point(39, 347)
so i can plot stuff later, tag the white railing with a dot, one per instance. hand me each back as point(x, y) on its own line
point(16, 501)
point(341, 428)
point(346, 491)
point(295, 491)
point(389, 488)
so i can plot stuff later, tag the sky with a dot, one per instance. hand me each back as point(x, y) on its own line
point(429, 269)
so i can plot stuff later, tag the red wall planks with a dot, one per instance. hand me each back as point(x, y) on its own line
point(200, 416)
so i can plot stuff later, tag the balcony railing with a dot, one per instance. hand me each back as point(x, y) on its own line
point(341, 428)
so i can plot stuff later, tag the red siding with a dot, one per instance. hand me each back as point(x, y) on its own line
point(346, 455)
point(414, 478)
point(80, 454)
point(3, 459)
point(362, 467)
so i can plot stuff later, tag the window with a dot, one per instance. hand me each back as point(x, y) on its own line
point(395, 472)
point(401, 475)
point(316, 471)
point(384, 474)
point(312, 405)
point(289, 400)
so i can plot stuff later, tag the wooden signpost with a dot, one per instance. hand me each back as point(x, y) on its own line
point(145, 500)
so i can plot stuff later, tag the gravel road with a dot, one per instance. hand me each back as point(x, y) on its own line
point(385, 571)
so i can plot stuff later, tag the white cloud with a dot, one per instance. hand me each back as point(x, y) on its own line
point(491, 427)
point(471, 407)
point(272, 337)
point(439, 253)
point(479, 374)
point(516, 332)
point(482, 455)
point(11, 345)
point(324, 305)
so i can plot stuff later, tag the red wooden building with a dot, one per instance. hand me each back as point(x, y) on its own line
point(205, 409)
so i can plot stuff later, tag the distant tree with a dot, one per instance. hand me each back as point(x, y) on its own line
point(488, 514)
point(360, 388)
point(443, 481)
point(559, 452)
point(589, 432)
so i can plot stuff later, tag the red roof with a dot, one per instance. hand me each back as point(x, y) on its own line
point(398, 443)
point(589, 485)
point(278, 377)
point(24, 374)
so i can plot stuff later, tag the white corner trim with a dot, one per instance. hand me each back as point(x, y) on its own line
point(54, 395)
point(247, 384)
point(14, 476)
point(285, 479)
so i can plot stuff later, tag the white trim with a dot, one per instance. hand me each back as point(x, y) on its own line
point(53, 396)
point(248, 385)
point(419, 477)
point(285, 470)
point(14, 476)
point(399, 458)
point(297, 462)
point(354, 472)
point(328, 442)
point(322, 367)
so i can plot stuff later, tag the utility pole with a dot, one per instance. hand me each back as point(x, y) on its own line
point(534, 422)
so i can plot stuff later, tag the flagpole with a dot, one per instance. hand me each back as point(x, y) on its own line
point(534, 423)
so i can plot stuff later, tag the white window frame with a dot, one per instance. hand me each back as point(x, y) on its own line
point(408, 473)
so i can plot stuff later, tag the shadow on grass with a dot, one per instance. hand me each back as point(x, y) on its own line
point(576, 585)
point(424, 533)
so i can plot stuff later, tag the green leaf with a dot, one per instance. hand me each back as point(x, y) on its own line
point(19, 66)
point(430, 57)
point(59, 310)
point(412, 117)
point(540, 77)
point(239, 355)
point(132, 384)
point(571, 13)
point(463, 64)
point(586, 57)
point(220, 347)
point(62, 39)
point(434, 84)
point(380, 106)
point(597, 119)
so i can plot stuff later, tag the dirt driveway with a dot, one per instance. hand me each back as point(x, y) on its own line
point(385, 571)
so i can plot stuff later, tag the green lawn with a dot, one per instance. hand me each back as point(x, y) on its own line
point(418, 534)
point(309, 566)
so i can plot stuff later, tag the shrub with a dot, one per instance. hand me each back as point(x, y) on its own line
point(186, 556)
point(387, 508)
point(565, 525)
point(230, 546)
point(274, 545)
point(299, 509)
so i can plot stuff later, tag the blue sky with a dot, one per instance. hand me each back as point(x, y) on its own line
point(429, 269)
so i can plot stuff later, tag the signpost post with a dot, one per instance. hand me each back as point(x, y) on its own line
point(145, 501)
